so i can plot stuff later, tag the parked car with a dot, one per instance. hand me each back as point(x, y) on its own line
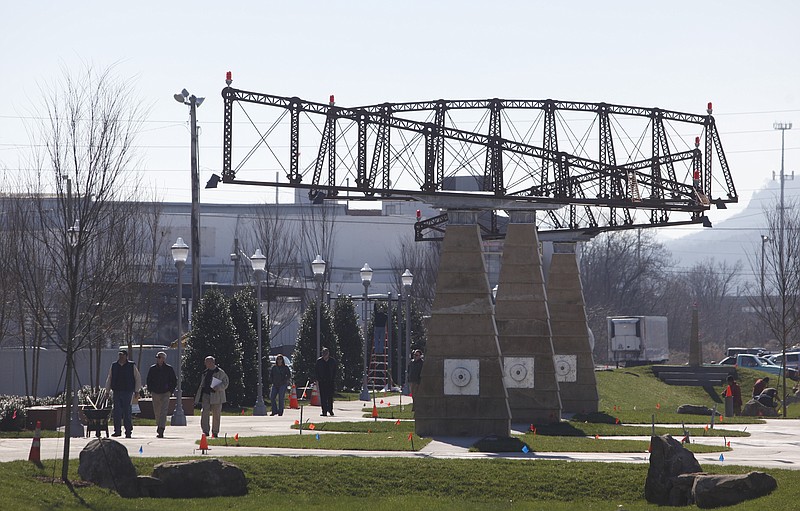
point(792, 359)
point(759, 364)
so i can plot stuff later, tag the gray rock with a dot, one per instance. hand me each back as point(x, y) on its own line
point(201, 478)
point(105, 462)
point(668, 460)
point(711, 491)
point(696, 410)
point(755, 409)
point(151, 487)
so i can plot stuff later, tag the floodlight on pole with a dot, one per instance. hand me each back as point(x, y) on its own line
point(782, 126)
point(193, 102)
point(318, 269)
point(366, 279)
point(259, 262)
point(180, 251)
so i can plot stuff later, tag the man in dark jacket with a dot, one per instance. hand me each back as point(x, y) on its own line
point(415, 373)
point(124, 379)
point(325, 371)
point(161, 381)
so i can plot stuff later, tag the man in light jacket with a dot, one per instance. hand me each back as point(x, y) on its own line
point(211, 393)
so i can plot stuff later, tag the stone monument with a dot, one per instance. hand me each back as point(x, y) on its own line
point(461, 392)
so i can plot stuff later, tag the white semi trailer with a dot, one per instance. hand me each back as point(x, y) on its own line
point(637, 340)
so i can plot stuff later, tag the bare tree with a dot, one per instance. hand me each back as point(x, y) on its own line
point(317, 232)
point(275, 235)
point(777, 304)
point(422, 259)
point(73, 253)
point(623, 273)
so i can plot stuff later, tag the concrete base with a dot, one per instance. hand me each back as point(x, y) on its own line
point(461, 392)
point(523, 327)
point(573, 353)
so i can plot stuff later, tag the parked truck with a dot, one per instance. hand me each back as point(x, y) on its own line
point(637, 340)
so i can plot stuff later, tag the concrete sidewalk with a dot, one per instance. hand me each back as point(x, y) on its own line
point(771, 445)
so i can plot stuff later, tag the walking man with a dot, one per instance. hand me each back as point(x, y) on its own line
point(161, 381)
point(325, 370)
point(124, 379)
point(211, 393)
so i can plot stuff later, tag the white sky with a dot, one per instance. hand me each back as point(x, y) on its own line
point(677, 55)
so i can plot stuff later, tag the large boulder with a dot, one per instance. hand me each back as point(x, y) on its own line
point(755, 409)
point(210, 477)
point(724, 490)
point(669, 460)
point(105, 462)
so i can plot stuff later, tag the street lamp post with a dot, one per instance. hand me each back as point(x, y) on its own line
point(782, 126)
point(179, 253)
point(318, 268)
point(259, 262)
point(76, 427)
point(193, 102)
point(407, 278)
point(366, 279)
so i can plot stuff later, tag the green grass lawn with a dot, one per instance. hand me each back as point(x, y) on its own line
point(377, 441)
point(339, 483)
point(652, 398)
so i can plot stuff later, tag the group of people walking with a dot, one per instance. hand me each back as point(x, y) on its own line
point(125, 381)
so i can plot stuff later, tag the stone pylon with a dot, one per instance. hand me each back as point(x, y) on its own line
point(574, 363)
point(523, 327)
point(695, 350)
point(461, 392)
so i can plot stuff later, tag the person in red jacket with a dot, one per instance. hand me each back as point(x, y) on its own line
point(736, 392)
point(760, 385)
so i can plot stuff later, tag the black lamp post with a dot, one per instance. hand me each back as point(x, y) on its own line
point(180, 251)
point(259, 262)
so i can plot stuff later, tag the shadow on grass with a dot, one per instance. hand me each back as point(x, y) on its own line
point(500, 444)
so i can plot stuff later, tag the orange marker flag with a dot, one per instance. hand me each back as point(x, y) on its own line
point(369, 431)
point(242, 412)
point(410, 436)
point(312, 426)
point(532, 428)
point(381, 401)
point(658, 406)
point(728, 392)
point(616, 421)
point(706, 427)
point(728, 443)
point(597, 437)
point(296, 422)
point(615, 408)
point(722, 418)
point(397, 423)
point(236, 437)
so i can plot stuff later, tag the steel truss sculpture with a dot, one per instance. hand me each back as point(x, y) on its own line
point(590, 167)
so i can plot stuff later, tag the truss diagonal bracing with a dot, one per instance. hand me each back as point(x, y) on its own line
point(591, 166)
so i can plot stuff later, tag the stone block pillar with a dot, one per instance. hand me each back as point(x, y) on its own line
point(461, 392)
point(574, 363)
point(523, 326)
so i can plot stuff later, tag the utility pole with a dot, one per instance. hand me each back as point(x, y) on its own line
point(782, 126)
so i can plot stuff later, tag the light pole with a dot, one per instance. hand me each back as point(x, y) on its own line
point(259, 262)
point(76, 427)
point(782, 126)
point(407, 278)
point(366, 278)
point(179, 253)
point(764, 240)
point(193, 102)
point(318, 268)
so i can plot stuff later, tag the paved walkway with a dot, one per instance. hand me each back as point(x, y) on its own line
point(772, 445)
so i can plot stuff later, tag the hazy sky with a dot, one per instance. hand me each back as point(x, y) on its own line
point(677, 55)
